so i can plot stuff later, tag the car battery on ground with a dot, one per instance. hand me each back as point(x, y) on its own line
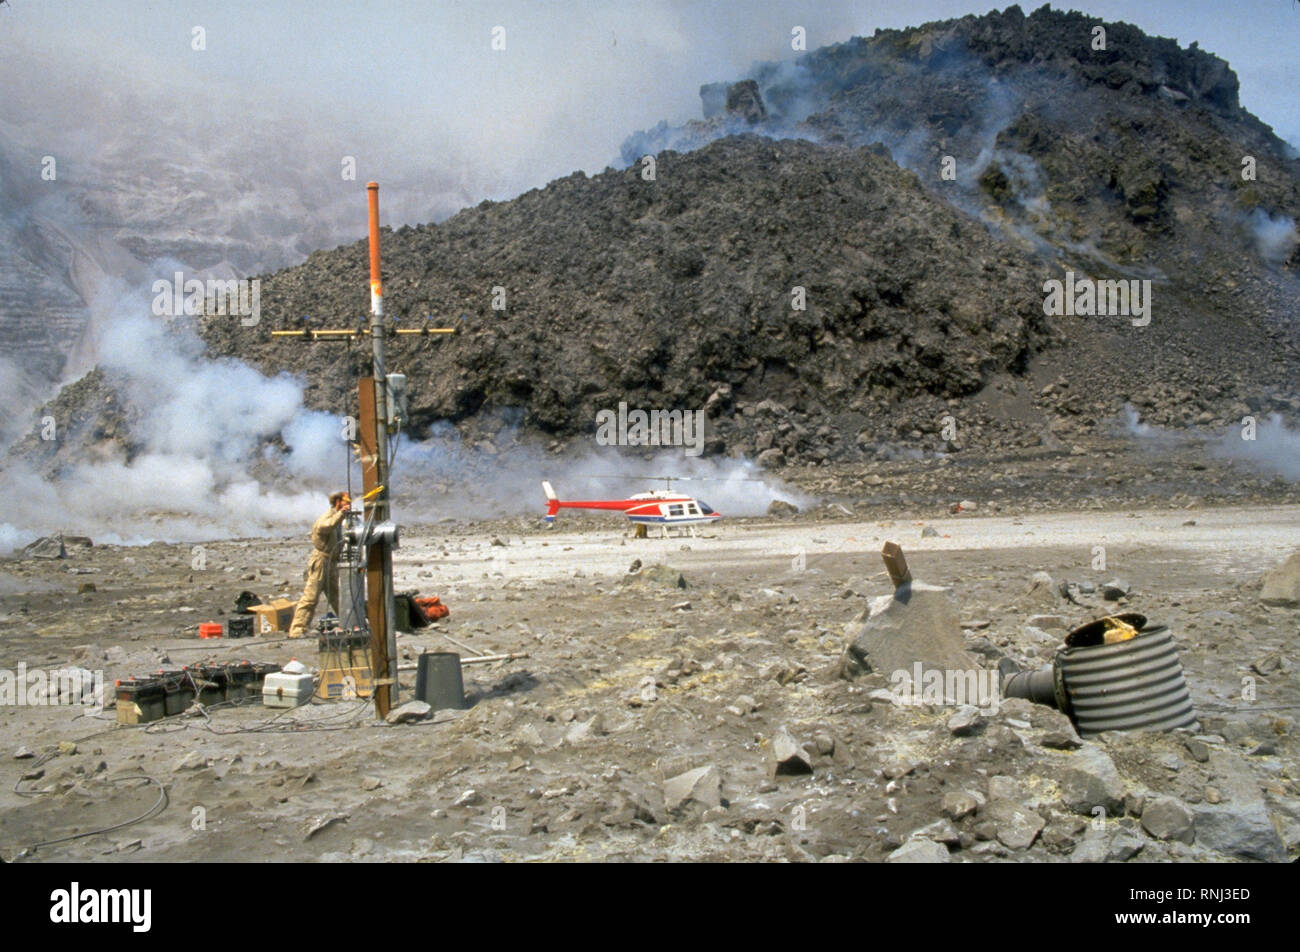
point(247, 678)
point(240, 626)
point(210, 680)
point(178, 691)
point(168, 693)
point(241, 682)
point(139, 700)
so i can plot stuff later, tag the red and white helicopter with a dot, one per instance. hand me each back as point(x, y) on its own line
point(659, 507)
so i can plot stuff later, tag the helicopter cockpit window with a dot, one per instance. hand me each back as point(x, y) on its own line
point(704, 508)
point(692, 509)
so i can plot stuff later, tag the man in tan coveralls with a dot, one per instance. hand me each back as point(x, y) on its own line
point(323, 569)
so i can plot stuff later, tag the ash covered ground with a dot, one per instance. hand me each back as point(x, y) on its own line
point(645, 722)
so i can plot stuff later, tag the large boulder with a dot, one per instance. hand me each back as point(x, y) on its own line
point(655, 576)
point(1041, 594)
point(1017, 826)
point(702, 785)
point(1089, 779)
point(1239, 825)
point(46, 547)
point(1166, 818)
point(788, 755)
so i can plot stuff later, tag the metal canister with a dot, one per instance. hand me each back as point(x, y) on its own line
point(438, 680)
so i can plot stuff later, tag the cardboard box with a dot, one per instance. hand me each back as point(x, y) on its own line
point(275, 616)
point(345, 683)
point(139, 712)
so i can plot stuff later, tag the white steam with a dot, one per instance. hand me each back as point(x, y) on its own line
point(1133, 425)
point(1275, 449)
point(316, 447)
point(212, 432)
point(203, 424)
point(1275, 236)
point(1270, 446)
point(444, 478)
point(195, 407)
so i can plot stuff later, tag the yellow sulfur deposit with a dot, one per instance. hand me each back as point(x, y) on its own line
point(1117, 631)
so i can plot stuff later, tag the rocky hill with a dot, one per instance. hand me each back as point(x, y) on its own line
point(914, 191)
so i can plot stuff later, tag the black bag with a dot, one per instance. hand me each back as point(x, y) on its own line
point(244, 601)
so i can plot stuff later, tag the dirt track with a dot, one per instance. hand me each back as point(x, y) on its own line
point(563, 755)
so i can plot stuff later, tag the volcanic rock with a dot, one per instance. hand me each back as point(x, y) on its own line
point(920, 851)
point(788, 755)
point(916, 625)
point(1282, 585)
point(702, 785)
point(409, 713)
point(1166, 818)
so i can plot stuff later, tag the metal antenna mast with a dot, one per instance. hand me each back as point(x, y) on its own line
point(373, 438)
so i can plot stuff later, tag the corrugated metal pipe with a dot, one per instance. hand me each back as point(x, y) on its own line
point(1113, 674)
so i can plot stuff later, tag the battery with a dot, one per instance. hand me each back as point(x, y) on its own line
point(178, 691)
point(245, 678)
point(210, 679)
point(139, 701)
point(239, 626)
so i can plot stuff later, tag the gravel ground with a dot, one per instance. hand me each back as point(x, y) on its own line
point(572, 752)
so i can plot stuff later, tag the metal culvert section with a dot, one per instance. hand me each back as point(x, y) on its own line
point(1036, 686)
point(1130, 685)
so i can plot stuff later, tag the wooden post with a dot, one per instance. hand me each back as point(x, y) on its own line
point(379, 554)
point(377, 572)
point(896, 565)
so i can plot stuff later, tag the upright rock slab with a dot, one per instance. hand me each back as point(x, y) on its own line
point(788, 755)
point(920, 851)
point(917, 625)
